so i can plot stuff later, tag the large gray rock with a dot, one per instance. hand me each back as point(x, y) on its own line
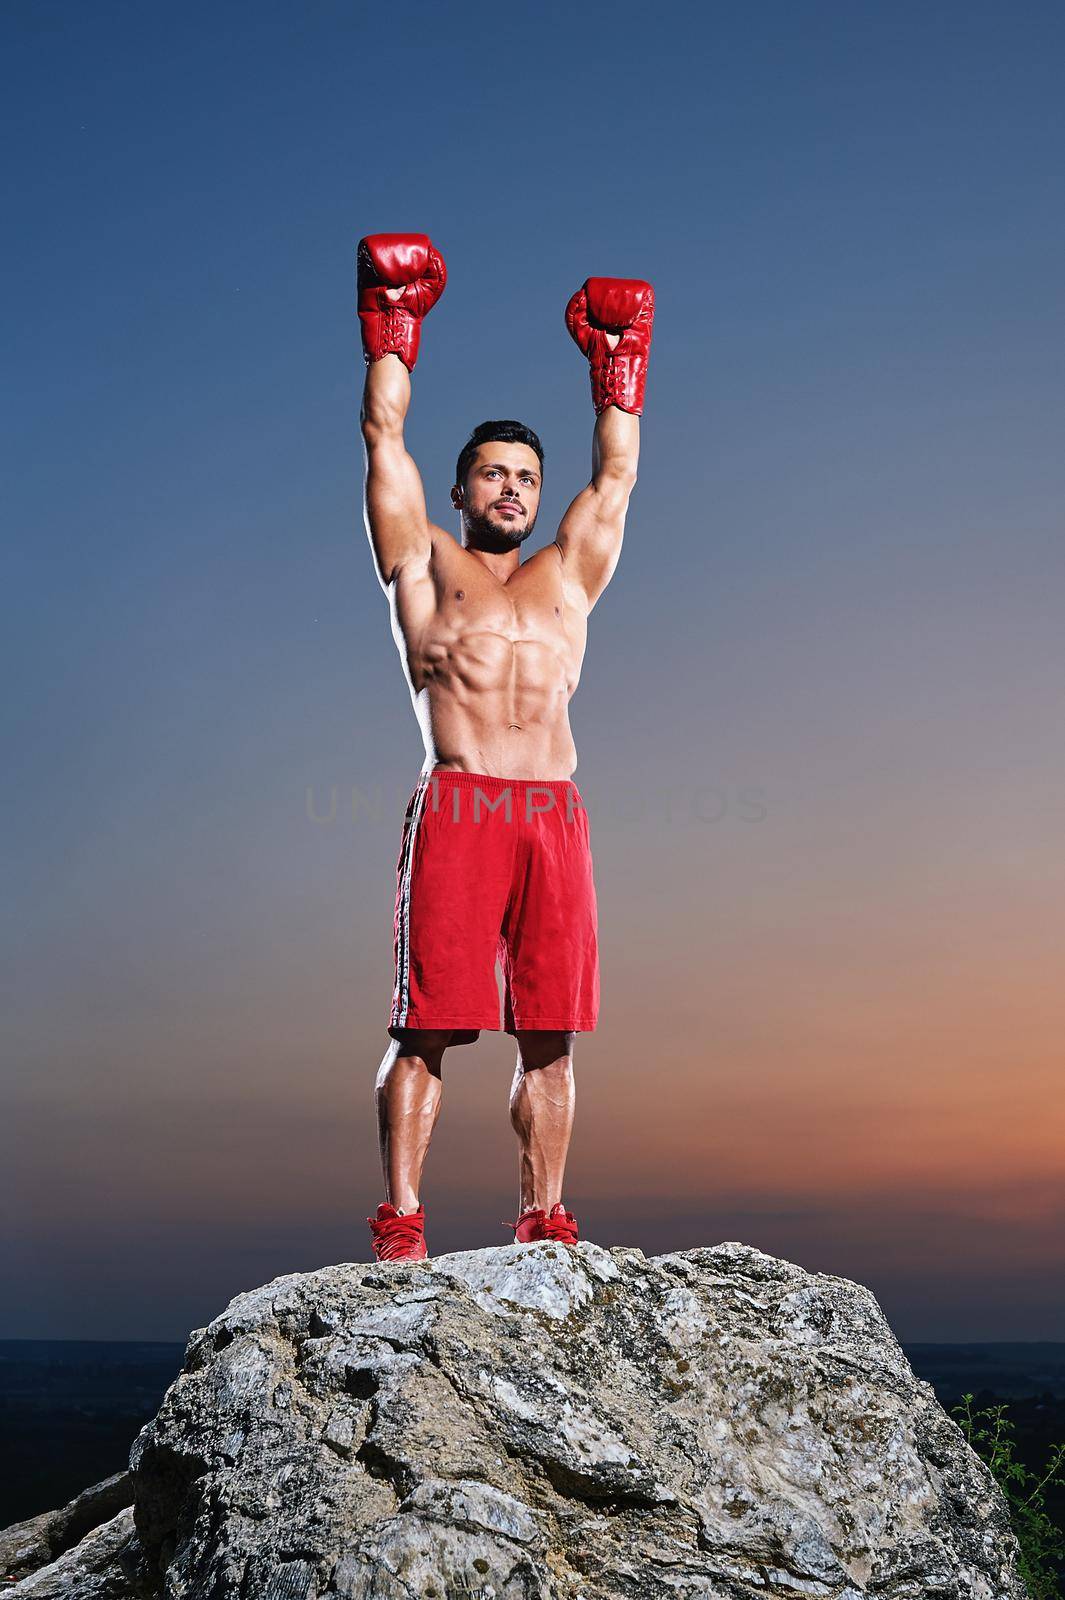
point(541, 1422)
point(27, 1546)
point(104, 1565)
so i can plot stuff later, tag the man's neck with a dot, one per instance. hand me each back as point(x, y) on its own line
point(500, 563)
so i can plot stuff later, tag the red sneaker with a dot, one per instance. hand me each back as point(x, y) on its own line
point(535, 1224)
point(398, 1237)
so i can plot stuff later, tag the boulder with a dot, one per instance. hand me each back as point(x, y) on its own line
point(547, 1422)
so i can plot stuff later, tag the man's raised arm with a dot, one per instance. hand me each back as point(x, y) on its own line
point(611, 320)
point(400, 278)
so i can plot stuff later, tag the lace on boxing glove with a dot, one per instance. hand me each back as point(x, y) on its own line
point(392, 261)
point(624, 306)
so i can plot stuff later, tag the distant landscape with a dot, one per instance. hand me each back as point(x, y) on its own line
point(71, 1409)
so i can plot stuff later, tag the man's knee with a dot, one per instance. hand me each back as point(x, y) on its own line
point(417, 1044)
point(540, 1047)
point(416, 1041)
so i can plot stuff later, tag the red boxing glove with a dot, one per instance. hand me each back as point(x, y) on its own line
point(614, 305)
point(392, 261)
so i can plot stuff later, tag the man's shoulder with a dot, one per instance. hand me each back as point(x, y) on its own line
point(549, 556)
point(440, 550)
point(550, 563)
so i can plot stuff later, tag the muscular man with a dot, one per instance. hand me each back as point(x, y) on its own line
point(495, 858)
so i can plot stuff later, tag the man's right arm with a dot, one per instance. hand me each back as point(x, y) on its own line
point(401, 276)
point(396, 518)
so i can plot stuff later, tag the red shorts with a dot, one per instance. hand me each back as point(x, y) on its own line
point(495, 868)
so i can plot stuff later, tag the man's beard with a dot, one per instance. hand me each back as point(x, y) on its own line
point(486, 535)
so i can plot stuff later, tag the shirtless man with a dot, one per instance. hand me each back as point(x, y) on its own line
point(495, 857)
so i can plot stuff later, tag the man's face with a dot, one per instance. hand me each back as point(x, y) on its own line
point(501, 495)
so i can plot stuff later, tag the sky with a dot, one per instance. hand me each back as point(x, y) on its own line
point(819, 721)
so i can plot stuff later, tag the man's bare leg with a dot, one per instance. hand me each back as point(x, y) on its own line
point(407, 1094)
point(542, 1100)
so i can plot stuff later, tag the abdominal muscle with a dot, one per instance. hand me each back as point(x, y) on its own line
point(496, 705)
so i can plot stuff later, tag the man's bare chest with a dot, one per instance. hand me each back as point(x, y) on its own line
point(466, 610)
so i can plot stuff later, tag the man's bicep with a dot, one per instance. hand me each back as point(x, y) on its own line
point(590, 536)
point(396, 518)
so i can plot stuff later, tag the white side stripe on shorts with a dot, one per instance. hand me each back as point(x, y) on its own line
point(401, 993)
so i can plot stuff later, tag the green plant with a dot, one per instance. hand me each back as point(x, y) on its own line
point(1041, 1541)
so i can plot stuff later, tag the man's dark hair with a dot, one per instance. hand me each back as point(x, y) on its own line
point(506, 433)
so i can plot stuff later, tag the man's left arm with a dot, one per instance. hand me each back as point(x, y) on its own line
point(611, 320)
point(591, 532)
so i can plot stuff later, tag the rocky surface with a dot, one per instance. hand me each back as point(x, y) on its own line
point(27, 1546)
point(104, 1565)
point(540, 1422)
